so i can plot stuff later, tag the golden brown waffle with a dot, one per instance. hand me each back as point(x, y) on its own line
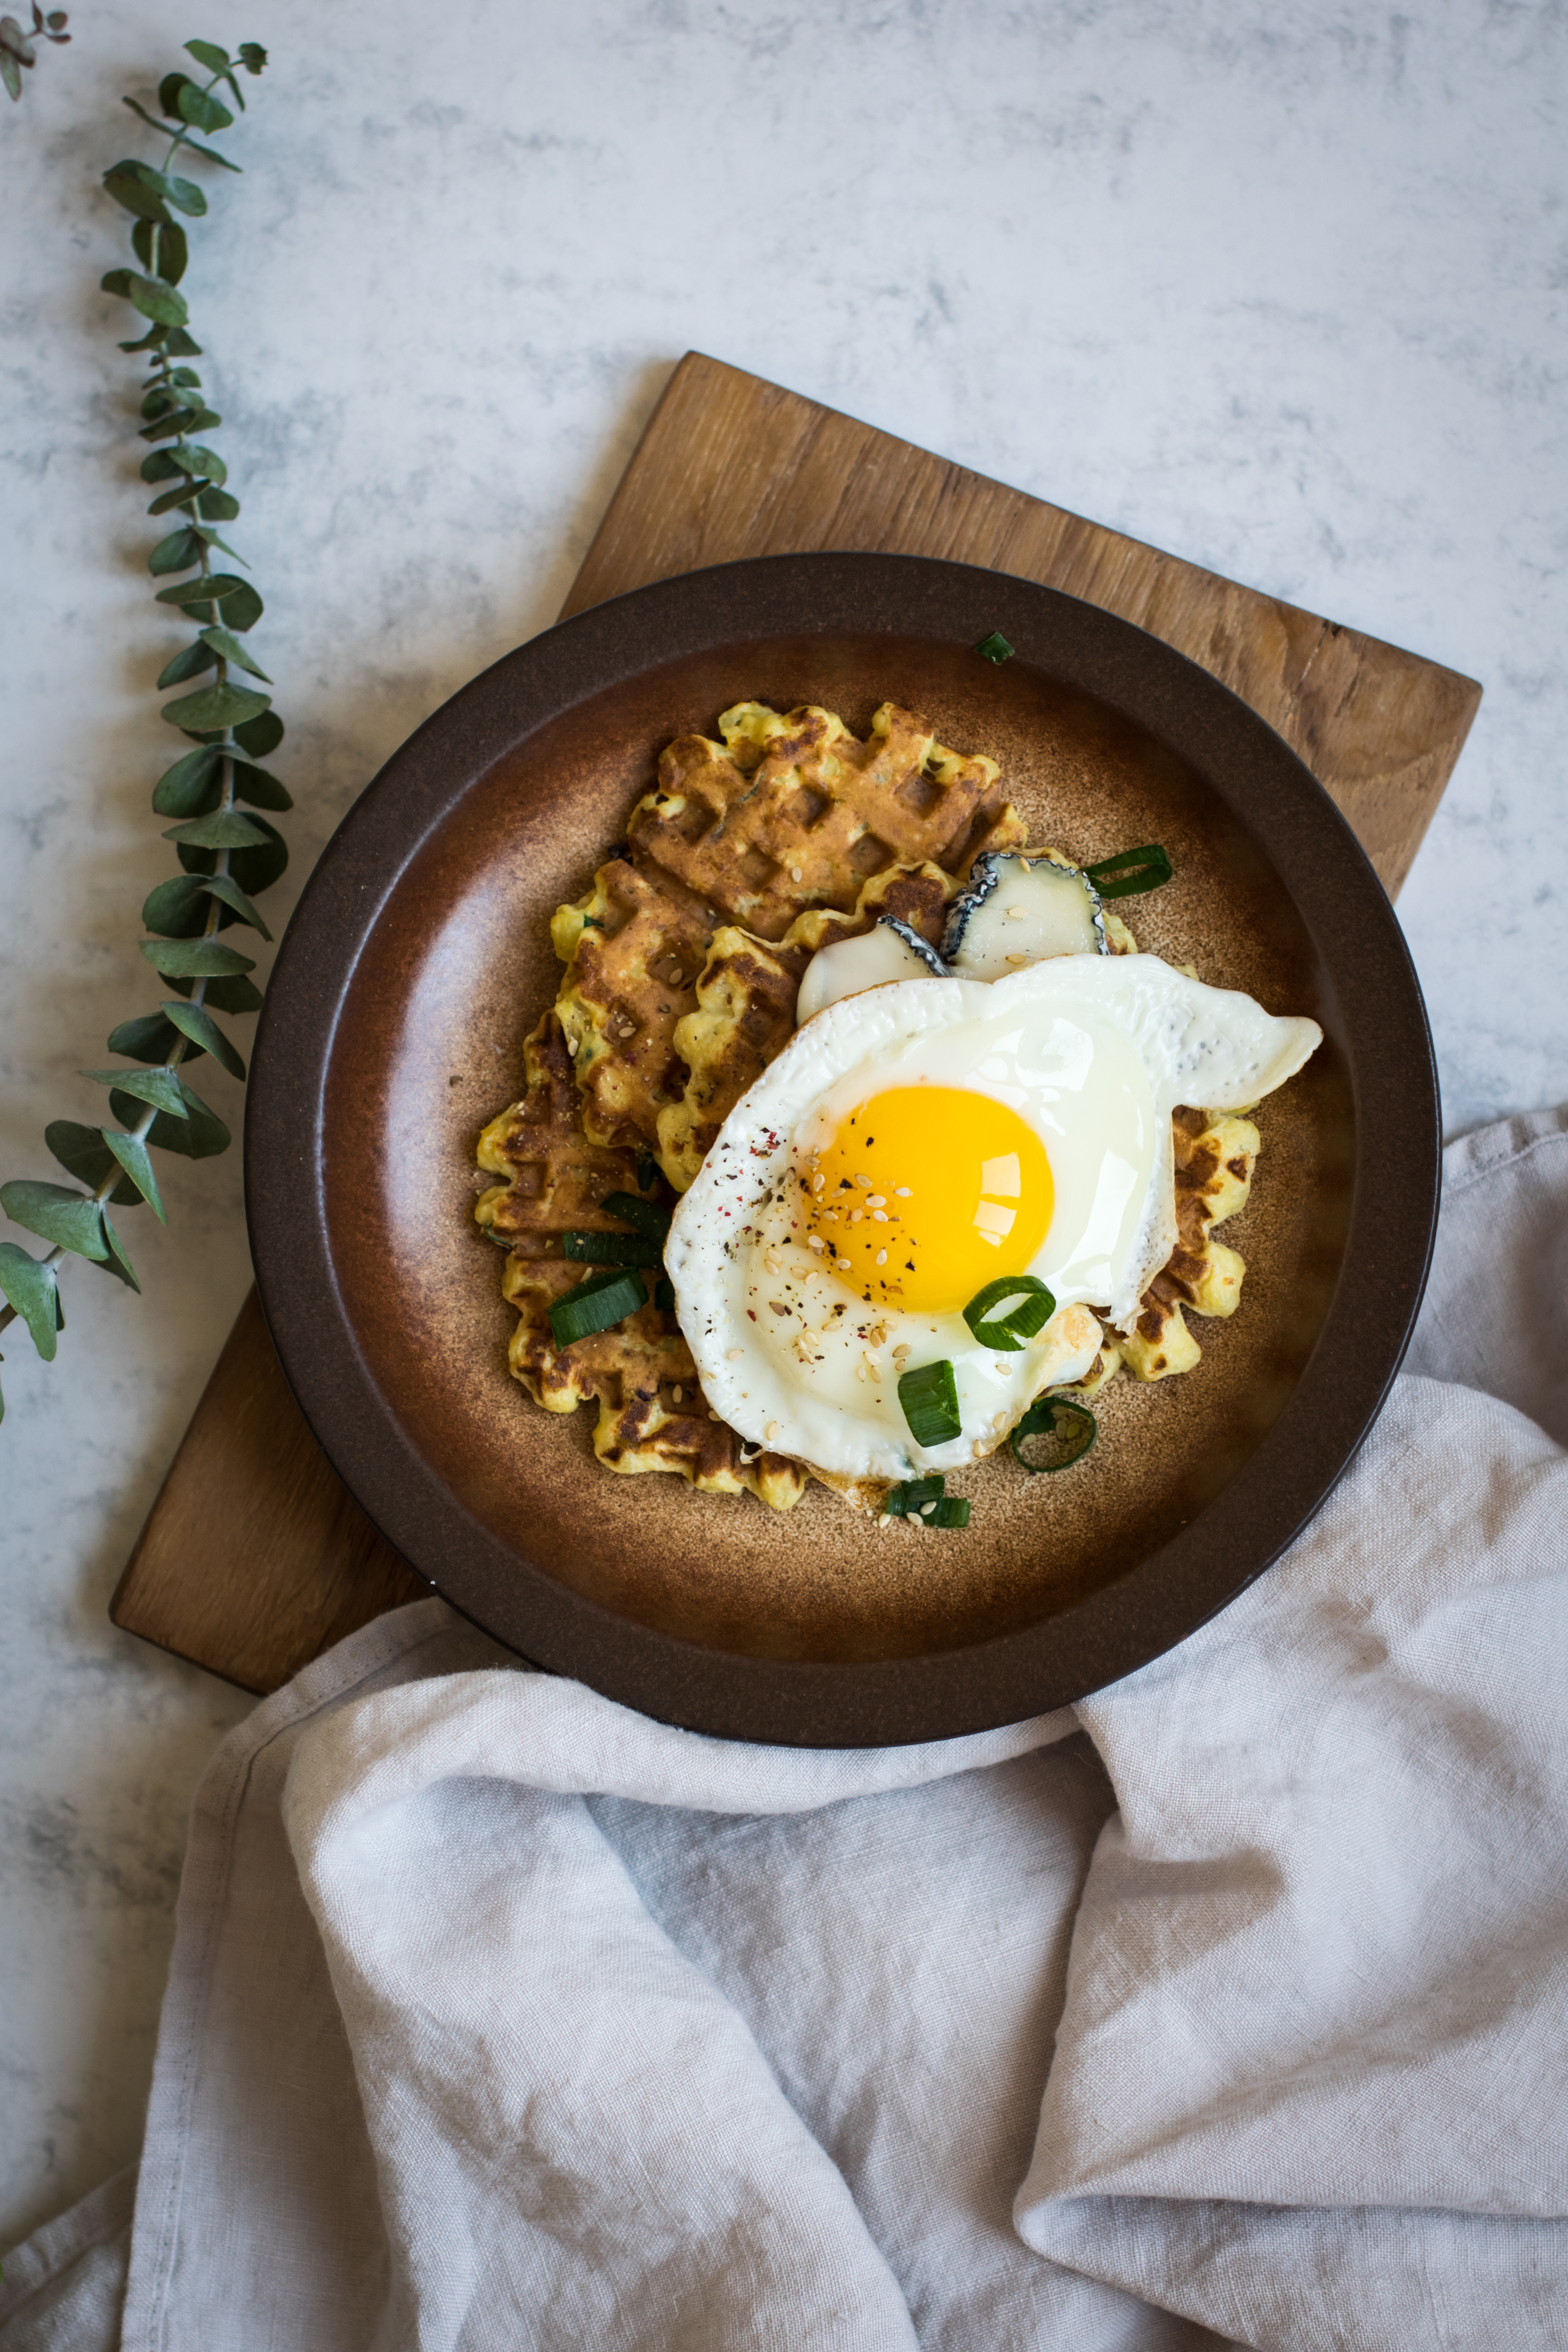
point(652, 1415)
point(746, 998)
point(1215, 1155)
point(789, 816)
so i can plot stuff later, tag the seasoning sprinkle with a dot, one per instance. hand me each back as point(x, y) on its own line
point(734, 1355)
point(771, 1432)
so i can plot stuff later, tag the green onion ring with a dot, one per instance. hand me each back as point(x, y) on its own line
point(596, 1305)
point(1008, 1332)
point(929, 1396)
point(1135, 871)
point(1070, 1426)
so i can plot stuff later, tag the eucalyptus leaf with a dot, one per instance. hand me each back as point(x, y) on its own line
point(260, 735)
point(252, 56)
point(160, 1088)
point(200, 1135)
point(34, 1292)
point(216, 707)
point(182, 345)
point(208, 54)
point(154, 340)
point(211, 589)
point(83, 1151)
point(172, 498)
point(211, 153)
point(138, 189)
point(262, 791)
point(191, 785)
point(242, 606)
point(196, 959)
point(175, 907)
point(217, 506)
point(201, 108)
point(198, 1026)
point(227, 890)
point(150, 296)
point(171, 428)
point(67, 1220)
point(225, 643)
point(183, 376)
point(186, 197)
point(176, 554)
point(147, 1038)
point(163, 247)
point(115, 1261)
point(149, 120)
point(225, 829)
point(160, 400)
point(11, 75)
point(189, 663)
point(234, 996)
point(160, 466)
point(204, 462)
point(137, 1162)
point(255, 869)
point(205, 532)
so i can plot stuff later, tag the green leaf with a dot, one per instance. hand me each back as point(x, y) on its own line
point(258, 736)
point(171, 428)
point(224, 889)
point(83, 1151)
point(216, 707)
point(169, 90)
point(156, 338)
point(10, 73)
point(196, 1023)
point(34, 1292)
point(139, 189)
point(191, 785)
point(234, 996)
point(116, 1262)
point(183, 376)
point(204, 464)
point(163, 248)
point(208, 54)
point(255, 869)
point(200, 108)
point(217, 506)
point(67, 1220)
point(158, 1087)
point(172, 498)
point(242, 606)
point(184, 346)
point(225, 829)
point(148, 1037)
point(137, 1162)
point(252, 56)
point(200, 1135)
point(210, 589)
point(196, 959)
point(205, 532)
point(176, 908)
point(150, 296)
point(149, 120)
point(262, 791)
point(228, 645)
point(176, 554)
point(190, 663)
point(195, 148)
point(186, 197)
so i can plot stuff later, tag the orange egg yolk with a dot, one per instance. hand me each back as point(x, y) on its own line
point(925, 1194)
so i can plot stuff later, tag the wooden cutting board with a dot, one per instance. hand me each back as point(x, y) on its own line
point(255, 1558)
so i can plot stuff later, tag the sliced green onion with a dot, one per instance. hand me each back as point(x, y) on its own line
point(647, 1217)
point(611, 1249)
point(1135, 871)
point(1062, 1428)
point(664, 1295)
point(648, 1170)
point(994, 648)
point(953, 1511)
point(603, 1300)
point(907, 1497)
point(929, 1396)
point(1035, 1305)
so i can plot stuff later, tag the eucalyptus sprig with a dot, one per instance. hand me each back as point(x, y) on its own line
point(226, 856)
point(18, 45)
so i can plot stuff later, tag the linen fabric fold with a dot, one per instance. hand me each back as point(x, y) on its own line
point(1228, 2010)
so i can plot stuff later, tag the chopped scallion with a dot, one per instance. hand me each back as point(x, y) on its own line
point(929, 1396)
point(1135, 871)
point(953, 1511)
point(913, 1493)
point(611, 1249)
point(647, 1217)
point(596, 1305)
point(994, 648)
point(1058, 1428)
point(1032, 1309)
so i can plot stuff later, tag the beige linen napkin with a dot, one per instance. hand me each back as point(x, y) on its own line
point(1232, 2013)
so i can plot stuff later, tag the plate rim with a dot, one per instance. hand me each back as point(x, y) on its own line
point(1163, 1597)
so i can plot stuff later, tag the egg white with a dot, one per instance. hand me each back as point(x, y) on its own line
point(1094, 1053)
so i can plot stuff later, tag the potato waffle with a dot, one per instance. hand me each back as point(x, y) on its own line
point(652, 1415)
point(1215, 1155)
point(789, 816)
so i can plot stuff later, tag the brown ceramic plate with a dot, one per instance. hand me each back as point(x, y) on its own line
point(417, 962)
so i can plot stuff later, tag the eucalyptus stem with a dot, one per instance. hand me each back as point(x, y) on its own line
point(227, 855)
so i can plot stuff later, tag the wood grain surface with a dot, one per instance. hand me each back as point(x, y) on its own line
point(254, 1557)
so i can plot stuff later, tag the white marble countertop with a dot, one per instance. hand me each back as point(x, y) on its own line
point(1284, 293)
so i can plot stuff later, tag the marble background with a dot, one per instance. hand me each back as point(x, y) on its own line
point(1280, 291)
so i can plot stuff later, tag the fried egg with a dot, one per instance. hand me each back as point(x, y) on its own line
point(917, 1143)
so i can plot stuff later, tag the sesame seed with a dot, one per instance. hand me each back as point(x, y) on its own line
point(902, 1192)
point(886, 1521)
point(771, 1432)
point(734, 1355)
point(678, 1392)
point(1015, 914)
point(795, 873)
point(861, 1373)
point(842, 1264)
point(815, 1241)
point(926, 1510)
point(818, 1182)
point(881, 1257)
point(857, 1216)
point(865, 1182)
point(879, 1216)
point(876, 1200)
point(1017, 959)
